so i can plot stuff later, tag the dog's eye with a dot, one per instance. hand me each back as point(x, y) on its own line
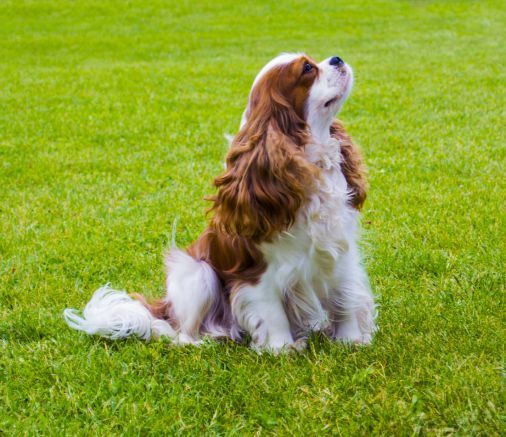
point(307, 67)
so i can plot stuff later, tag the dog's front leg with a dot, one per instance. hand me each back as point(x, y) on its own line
point(354, 310)
point(258, 309)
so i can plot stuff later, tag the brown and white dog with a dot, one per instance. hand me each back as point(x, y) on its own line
point(279, 258)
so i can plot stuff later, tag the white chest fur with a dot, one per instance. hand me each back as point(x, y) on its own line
point(329, 219)
point(303, 261)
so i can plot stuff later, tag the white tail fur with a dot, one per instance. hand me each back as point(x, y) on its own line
point(114, 314)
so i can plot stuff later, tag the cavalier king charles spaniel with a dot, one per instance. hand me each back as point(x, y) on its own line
point(279, 258)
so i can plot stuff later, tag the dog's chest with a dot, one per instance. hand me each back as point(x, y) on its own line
point(312, 247)
point(328, 214)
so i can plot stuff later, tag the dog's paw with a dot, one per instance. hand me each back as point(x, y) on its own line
point(298, 346)
point(350, 332)
point(321, 324)
point(357, 339)
point(280, 348)
point(185, 339)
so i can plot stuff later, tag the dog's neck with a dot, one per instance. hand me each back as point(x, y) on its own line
point(320, 130)
point(326, 155)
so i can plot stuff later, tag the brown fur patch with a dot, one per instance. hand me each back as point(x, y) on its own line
point(234, 258)
point(352, 165)
point(160, 308)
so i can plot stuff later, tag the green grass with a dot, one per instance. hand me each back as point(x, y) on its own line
point(112, 117)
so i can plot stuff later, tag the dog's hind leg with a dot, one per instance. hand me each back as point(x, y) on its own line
point(195, 296)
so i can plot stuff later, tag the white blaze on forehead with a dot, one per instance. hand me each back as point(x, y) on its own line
point(282, 59)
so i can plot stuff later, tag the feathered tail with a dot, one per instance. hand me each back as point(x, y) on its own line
point(114, 314)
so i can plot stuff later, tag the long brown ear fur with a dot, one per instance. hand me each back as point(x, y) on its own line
point(352, 165)
point(267, 181)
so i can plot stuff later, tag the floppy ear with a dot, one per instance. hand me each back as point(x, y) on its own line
point(352, 165)
point(266, 182)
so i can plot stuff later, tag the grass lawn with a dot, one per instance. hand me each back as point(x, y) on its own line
point(112, 117)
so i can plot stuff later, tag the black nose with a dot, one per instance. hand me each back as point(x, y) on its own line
point(337, 61)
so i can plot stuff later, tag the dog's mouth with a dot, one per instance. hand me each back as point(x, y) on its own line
point(331, 101)
point(343, 90)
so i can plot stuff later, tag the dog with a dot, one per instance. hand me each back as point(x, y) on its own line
point(279, 258)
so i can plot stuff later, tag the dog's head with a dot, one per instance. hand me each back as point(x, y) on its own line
point(299, 93)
